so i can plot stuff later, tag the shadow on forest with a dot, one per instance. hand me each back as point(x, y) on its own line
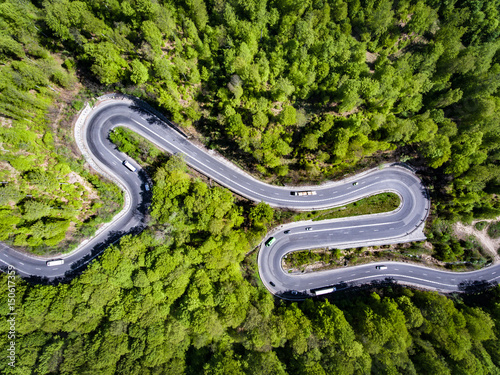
point(81, 264)
point(474, 286)
point(341, 288)
point(344, 289)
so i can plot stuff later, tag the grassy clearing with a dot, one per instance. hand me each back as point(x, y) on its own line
point(375, 204)
point(305, 257)
point(137, 147)
point(313, 260)
point(494, 229)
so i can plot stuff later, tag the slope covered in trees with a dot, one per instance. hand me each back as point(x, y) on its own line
point(299, 90)
point(43, 192)
point(309, 88)
point(177, 299)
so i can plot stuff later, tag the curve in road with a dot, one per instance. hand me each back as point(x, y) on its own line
point(402, 225)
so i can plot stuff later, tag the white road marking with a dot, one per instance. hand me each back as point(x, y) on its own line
point(225, 177)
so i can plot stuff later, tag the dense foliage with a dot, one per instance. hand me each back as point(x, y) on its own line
point(285, 86)
point(310, 85)
point(173, 300)
point(43, 192)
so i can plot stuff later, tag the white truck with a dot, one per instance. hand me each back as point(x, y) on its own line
point(302, 193)
point(129, 166)
point(55, 262)
point(319, 292)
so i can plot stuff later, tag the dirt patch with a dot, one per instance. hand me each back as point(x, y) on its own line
point(74, 177)
point(371, 57)
point(489, 244)
point(5, 122)
point(276, 108)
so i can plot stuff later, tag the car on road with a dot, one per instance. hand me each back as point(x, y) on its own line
point(309, 228)
point(381, 267)
point(354, 184)
point(272, 284)
point(270, 241)
point(287, 231)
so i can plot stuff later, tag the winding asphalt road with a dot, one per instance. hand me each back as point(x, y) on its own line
point(402, 225)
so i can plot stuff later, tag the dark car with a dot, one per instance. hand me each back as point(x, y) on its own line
point(272, 284)
point(287, 231)
point(309, 228)
point(294, 292)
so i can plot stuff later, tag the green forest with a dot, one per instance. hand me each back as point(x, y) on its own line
point(309, 89)
point(292, 91)
point(49, 201)
point(182, 298)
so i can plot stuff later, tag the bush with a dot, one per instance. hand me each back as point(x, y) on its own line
point(494, 230)
point(481, 225)
point(77, 105)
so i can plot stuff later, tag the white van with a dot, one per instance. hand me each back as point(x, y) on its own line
point(381, 267)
